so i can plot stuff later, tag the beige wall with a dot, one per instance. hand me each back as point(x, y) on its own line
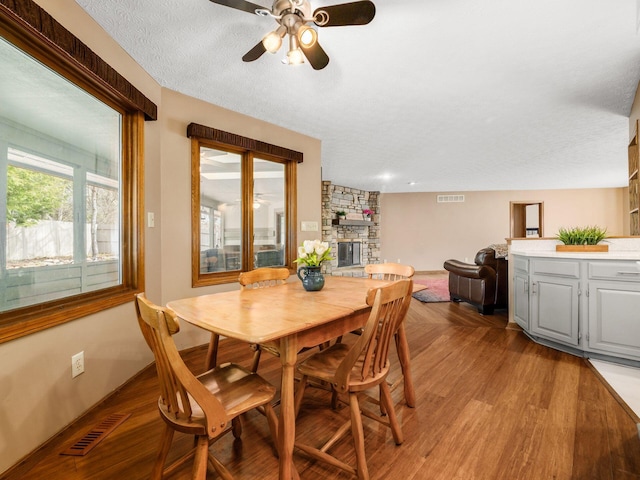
point(419, 231)
point(178, 111)
point(38, 397)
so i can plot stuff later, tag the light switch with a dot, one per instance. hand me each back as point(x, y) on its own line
point(309, 226)
point(151, 220)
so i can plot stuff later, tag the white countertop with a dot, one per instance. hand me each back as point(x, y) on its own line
point(622, 248)
point(611, 255)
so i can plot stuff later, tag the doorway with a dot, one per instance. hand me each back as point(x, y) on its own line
point(527, 219)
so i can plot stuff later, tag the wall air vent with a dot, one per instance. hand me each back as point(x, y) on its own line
point(450, 198)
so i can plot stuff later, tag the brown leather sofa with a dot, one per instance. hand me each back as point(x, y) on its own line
point(483, 284)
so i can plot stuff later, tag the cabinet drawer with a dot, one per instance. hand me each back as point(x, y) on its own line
point(626, 271)
point(521, 264)
point(558, 268)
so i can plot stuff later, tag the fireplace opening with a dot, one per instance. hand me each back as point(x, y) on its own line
point(348, 254)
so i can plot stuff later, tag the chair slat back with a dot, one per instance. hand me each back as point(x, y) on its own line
point(263, 277)
point(389, 306)
point(177, 383)
point(389, 271)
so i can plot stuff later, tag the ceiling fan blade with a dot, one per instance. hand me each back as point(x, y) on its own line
point(239, 5)
point(255, 53)
point(316, 56)
point(354, 13)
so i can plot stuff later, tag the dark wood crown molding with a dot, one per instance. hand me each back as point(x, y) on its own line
point(195, 130)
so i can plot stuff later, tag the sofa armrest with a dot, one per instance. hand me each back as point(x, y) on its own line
point(469, 270)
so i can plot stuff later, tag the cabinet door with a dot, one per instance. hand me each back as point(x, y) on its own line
point(614, 318)
point(554, 308)
point(521, 299)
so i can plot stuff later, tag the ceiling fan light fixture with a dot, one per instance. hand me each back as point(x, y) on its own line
point(273, 40)
point(307, 36)
point(294, 55)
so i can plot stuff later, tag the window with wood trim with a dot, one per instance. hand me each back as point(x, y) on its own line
point(243, 205)
point(71, 132)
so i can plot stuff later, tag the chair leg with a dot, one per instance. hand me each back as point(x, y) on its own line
point(165, 445)
point(297, 399)
point(402, 348)
point(334, 399)
point(199, 471)
point(272, 421)
point(212, 352)
point(383, 407)
point(358, 437)
point(385, 399)
point(256, 360)
point(236, 427)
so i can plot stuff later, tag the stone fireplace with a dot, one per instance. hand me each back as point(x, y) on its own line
point(355, 242)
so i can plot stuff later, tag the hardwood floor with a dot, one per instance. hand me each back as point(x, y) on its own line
point(491, 405)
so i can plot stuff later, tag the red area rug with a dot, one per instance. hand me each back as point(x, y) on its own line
point(437, 290)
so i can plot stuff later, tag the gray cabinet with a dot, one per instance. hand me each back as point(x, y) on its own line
point(614, 309)
point(554, 300)
point(590, 306)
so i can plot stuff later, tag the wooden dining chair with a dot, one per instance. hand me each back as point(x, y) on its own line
point(202, 406)
point(259, 278)
point(396, 271)
point(353, 369)
point(389, 271)
point(264, 277)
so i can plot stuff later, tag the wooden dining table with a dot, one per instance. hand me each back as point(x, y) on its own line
point(290, 318)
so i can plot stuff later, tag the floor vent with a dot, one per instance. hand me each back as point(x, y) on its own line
point(450, 198)
point(96, 434)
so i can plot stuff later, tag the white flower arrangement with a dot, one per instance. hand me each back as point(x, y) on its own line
point(313, 252)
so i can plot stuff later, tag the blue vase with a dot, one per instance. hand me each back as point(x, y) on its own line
point(312, 278)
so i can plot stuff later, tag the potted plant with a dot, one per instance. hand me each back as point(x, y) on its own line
point(341, 214)
point(311, 254)
point(581, 239)
point(367, 213)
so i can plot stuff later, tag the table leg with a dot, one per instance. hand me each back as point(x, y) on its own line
point(287, 421)
point(405, 363)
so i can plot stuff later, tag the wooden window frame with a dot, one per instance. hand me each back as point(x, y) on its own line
point(249, 149)
point(27, 26)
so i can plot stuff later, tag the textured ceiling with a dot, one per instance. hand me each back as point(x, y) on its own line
point(453, 95)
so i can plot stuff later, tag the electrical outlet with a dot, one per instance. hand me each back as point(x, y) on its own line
point(77, 364)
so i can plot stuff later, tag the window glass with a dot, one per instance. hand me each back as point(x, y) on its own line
point(60, 164)
point(268, 214)
point(220, 210)
point(243, 215)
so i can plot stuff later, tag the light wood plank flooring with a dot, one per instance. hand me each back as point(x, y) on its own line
point(491, 405)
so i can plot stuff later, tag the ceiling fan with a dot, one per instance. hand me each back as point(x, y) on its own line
point(293, 17)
